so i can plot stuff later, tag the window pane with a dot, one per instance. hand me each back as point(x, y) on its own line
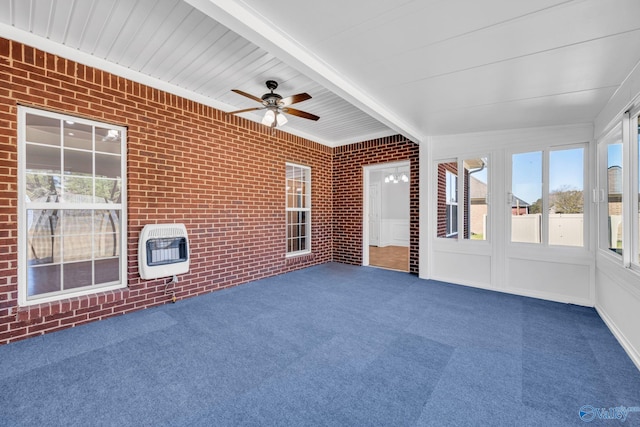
point(43, 236)
point(447, 197)
point(108, 166)
point(526, 197)
point(475, 198)
point(302, 221)
point(43, 130)
point(78, 190)
point(106, 221)
point(108, 191)
point(106, 245)
point(77, 247)
point(108, 140)
point(614, 197)
point(43, 159)
point(296, 195)
point(453, 219)
point(77, 232)
point(107, 270)
point(43, 279)
point(566, 197)
point(42, 187)
point(78, 162)
point(638, 206)
point(77, 274)
point(76, 221)
point(77, 135)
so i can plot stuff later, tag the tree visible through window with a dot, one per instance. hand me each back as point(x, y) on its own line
point(553, 202)
point(71, 174)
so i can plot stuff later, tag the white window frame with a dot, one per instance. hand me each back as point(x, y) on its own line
point(544, 226)
point(630, 172)
point(464, 206)
point(464, 182)
point(634, 166)
point(451, 190)
point(23, 206)
point(306, 209)
point(601, 193)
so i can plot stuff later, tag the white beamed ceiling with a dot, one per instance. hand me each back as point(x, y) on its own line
point(374, 68)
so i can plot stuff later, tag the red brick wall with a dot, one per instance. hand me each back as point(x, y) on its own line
point(348, 163)
point(222, 177)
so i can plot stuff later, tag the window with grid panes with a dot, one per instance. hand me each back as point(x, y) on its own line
point(72, 195)
point(298, 209)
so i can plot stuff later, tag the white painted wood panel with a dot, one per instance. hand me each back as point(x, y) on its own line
point(462, 268)
point(556, 281)
point(394, 232)
point(555, 273)
point(618, 303)
point(617, 288)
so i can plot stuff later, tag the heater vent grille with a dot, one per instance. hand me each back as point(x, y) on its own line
point(163, 250)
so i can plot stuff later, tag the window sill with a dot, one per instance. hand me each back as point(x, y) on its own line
point(65, 305)
point(299, 258)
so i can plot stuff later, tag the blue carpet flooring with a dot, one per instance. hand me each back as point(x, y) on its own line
point(331, 345)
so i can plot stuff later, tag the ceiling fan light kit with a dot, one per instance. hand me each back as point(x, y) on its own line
point(276, 105)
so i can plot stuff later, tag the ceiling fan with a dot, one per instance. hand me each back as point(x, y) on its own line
point(276, 105)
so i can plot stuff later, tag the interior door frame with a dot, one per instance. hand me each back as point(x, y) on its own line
point(378, 187)
point(366, 181)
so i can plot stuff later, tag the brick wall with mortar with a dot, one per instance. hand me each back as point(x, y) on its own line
point(348, 164)
point(186, 162)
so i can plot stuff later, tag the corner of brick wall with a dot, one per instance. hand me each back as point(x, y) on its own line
point(348, 162)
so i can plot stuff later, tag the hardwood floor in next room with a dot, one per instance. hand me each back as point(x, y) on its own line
point(391, 257)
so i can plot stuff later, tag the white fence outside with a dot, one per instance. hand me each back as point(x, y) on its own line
point(564, 229)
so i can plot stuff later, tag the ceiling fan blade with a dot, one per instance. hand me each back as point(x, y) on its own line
point(294, 99)
point(300, 113)
point(245, 110)
point(248, 95)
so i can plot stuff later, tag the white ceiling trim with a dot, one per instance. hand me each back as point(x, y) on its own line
point(92, 61)
point(76, 55)
point(364, 138)
point(248, 23)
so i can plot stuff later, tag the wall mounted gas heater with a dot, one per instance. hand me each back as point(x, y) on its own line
point(163, 251)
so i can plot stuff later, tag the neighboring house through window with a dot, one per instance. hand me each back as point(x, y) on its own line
point(462, 205)
point(72, 206)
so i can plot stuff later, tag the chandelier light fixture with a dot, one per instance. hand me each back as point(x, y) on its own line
point(395, 178)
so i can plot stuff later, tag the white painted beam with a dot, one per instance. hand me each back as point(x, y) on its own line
point(248, 23)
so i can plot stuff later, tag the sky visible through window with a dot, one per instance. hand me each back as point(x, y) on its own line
point(614, 155)
point(566, 171)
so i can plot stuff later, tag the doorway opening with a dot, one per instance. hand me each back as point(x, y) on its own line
point(386, 216)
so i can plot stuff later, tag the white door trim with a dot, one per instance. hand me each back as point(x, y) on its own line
point(366, 181)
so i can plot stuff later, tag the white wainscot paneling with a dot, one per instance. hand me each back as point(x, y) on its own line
point(462, 268)
point(394, 232)
point(618, 303)
point(555, 281)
